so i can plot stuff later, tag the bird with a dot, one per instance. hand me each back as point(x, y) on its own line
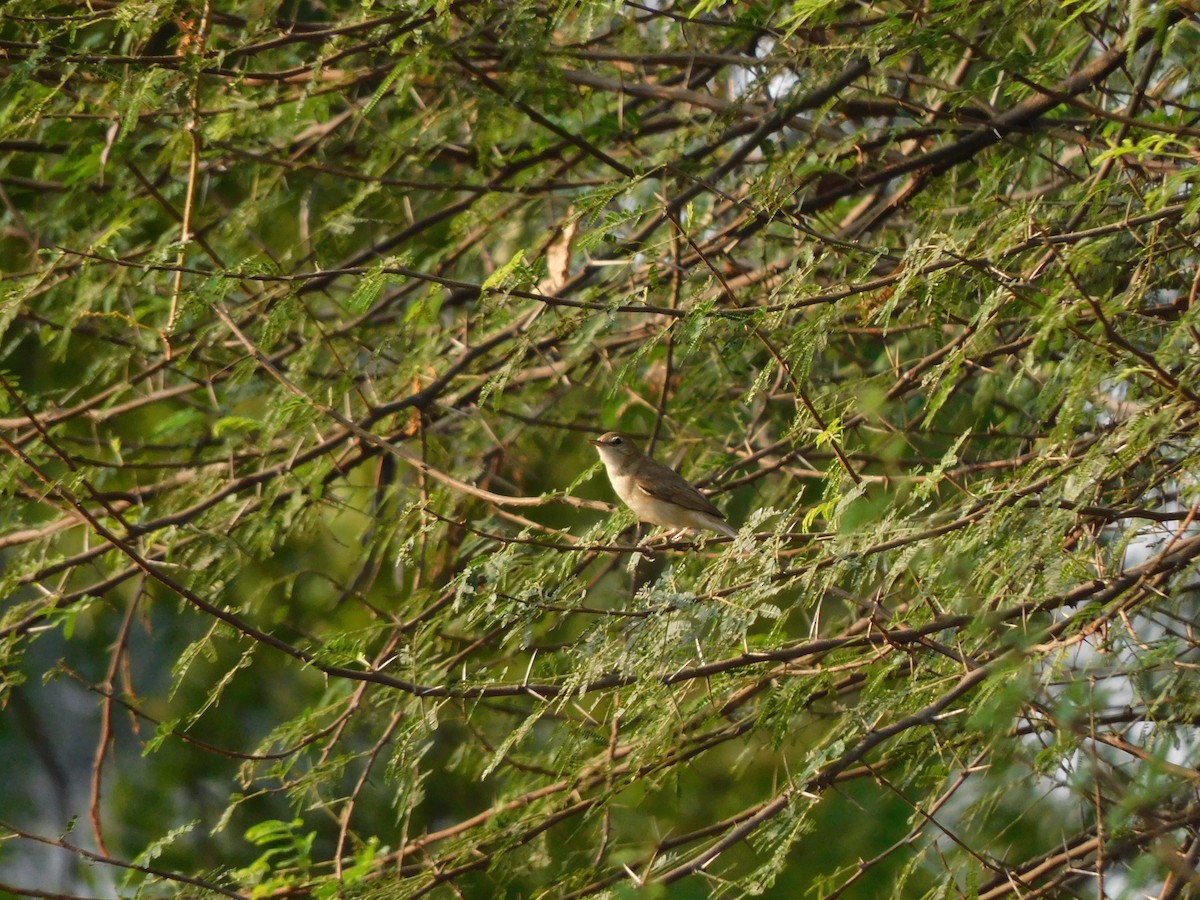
point(657, 493)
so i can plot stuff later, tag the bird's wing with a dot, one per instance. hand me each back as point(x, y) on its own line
point(669, 485)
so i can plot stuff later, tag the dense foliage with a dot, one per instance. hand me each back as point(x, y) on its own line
point(312, 583)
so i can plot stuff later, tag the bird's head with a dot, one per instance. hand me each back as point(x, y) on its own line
point(615, 446)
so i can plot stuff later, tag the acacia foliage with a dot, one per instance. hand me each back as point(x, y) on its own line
point(308, 311)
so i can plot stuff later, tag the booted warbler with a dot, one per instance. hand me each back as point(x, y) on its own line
point(658, 494)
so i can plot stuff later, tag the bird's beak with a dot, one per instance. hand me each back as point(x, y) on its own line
point(594, 443)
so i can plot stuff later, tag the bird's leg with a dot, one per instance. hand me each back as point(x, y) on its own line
point(665, 537)
point(671, 535)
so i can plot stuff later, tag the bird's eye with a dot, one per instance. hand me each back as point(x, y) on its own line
point(614, 441)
